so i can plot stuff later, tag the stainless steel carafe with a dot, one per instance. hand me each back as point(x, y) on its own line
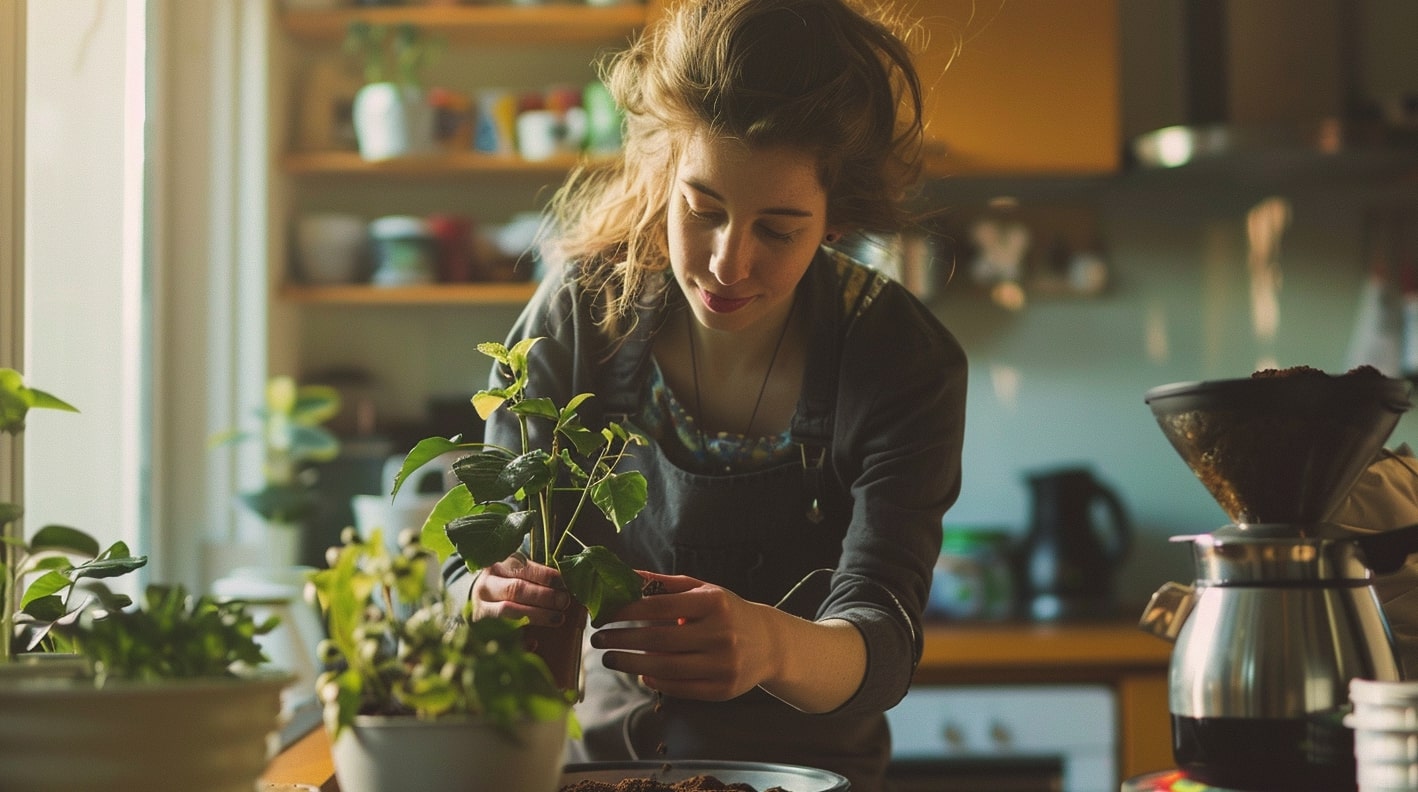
point(1282, 614)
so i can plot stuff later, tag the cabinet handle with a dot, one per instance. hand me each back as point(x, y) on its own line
point(953, 736)
point(1000, 735)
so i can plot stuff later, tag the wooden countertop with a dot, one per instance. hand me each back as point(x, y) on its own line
point(1109, 652)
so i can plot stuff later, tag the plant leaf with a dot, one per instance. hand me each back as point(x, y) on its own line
point(481, 473)
point(620, 496)
point(540, 407)
point(50, 583)
point(455, 503)
point(426, 451)
point(107, 567)
point(486, 402)
point(487, 537)
point(64, 539)
point(313, 443)
point(315, 404)
point(529, 473)
point(600, 580)
point(9, 512)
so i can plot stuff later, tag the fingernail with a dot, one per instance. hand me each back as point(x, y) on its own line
point(563, 601)
point(597, 642)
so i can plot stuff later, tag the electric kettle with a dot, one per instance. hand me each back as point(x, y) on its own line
point(1079, 531)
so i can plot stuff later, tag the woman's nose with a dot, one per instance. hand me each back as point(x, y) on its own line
point(730, 262)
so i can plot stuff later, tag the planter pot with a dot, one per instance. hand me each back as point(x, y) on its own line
point(561, 648)
point(61, 733)
point(397, 754)
point(392, 120)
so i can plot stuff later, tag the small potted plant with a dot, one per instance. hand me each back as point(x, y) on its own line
point(508, 499)
point(392, 114)
point(420, 697)
point(169, 686)
point(292, 438)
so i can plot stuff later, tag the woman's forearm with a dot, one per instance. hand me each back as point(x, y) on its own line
point(818, 665)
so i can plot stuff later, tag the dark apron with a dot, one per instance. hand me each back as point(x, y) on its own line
point(765, 535)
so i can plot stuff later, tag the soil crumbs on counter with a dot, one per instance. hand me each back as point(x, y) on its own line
point(699, 783)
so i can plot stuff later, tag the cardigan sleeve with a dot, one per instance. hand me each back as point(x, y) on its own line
point(899, 430)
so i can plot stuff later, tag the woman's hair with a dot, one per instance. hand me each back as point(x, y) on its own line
point(820, 75)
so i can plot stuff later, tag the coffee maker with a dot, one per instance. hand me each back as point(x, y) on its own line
point(1283, 613)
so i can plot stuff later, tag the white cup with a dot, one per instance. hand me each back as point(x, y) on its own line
point(330, 246)
point(538, 134)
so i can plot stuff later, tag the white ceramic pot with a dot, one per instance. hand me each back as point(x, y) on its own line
point(392, 120)
point(215, 735)
point(397, 754)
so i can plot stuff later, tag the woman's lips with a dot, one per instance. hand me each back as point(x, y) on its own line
point(719, 304)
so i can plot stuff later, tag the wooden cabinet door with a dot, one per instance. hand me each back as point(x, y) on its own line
point(1021, 87)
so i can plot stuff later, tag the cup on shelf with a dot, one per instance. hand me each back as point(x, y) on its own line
point(330, 247)
point(539, 134)
point(405, 251)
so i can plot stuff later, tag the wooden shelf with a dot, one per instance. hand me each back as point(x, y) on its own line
point(432, 294)
point(493, 24)
point(449, 163)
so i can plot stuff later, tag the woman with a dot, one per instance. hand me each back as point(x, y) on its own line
point(806, 412)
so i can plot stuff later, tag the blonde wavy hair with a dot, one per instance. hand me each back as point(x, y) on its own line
point(828, 76)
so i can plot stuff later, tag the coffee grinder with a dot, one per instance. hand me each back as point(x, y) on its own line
point(1283, 613)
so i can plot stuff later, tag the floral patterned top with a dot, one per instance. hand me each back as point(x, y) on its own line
point(665, 420)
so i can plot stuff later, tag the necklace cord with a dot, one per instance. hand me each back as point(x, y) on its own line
point(762, 388)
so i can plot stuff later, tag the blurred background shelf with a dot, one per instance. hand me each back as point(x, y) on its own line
point(431, 294)
point(552, 24)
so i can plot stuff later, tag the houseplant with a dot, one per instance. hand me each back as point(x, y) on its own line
point(421, 697)
point(292, 438)
point(392, 115)
point(509, 500)
point(169, 695)
point(57, 562)
point(165, 689)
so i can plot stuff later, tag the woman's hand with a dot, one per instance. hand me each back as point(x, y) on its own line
point(516, 587)
point(696, 640)
point(692, 640)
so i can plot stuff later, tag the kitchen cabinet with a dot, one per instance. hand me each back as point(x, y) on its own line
point(1021, 87)
point(1116, 655)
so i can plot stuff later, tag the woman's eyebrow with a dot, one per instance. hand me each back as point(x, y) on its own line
point(788, 211)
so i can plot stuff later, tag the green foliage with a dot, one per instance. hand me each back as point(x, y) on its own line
point(292, 437)
point(432, 663)
point(506, 498)
point(172, 635)
point(16, 401)
point(397, 53)
point(59, 562)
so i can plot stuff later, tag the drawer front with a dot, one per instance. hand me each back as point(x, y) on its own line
point(1075, 723)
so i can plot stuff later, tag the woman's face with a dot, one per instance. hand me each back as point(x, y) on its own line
point(744, 225)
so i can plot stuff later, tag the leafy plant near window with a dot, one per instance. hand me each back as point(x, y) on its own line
point(292, 438)
point(430, 664)
point(507, 499)
point(59, 562)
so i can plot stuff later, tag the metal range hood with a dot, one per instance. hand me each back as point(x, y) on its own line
point(1289, 85)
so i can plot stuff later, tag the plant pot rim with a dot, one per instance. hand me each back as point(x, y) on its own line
point(449, 721)
point(36, 684)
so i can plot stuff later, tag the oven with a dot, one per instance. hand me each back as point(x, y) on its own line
point(1010, 738)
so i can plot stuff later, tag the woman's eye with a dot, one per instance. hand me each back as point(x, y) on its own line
point(778, 236)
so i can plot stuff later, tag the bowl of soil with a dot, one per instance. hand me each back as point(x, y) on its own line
point(698, 776)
